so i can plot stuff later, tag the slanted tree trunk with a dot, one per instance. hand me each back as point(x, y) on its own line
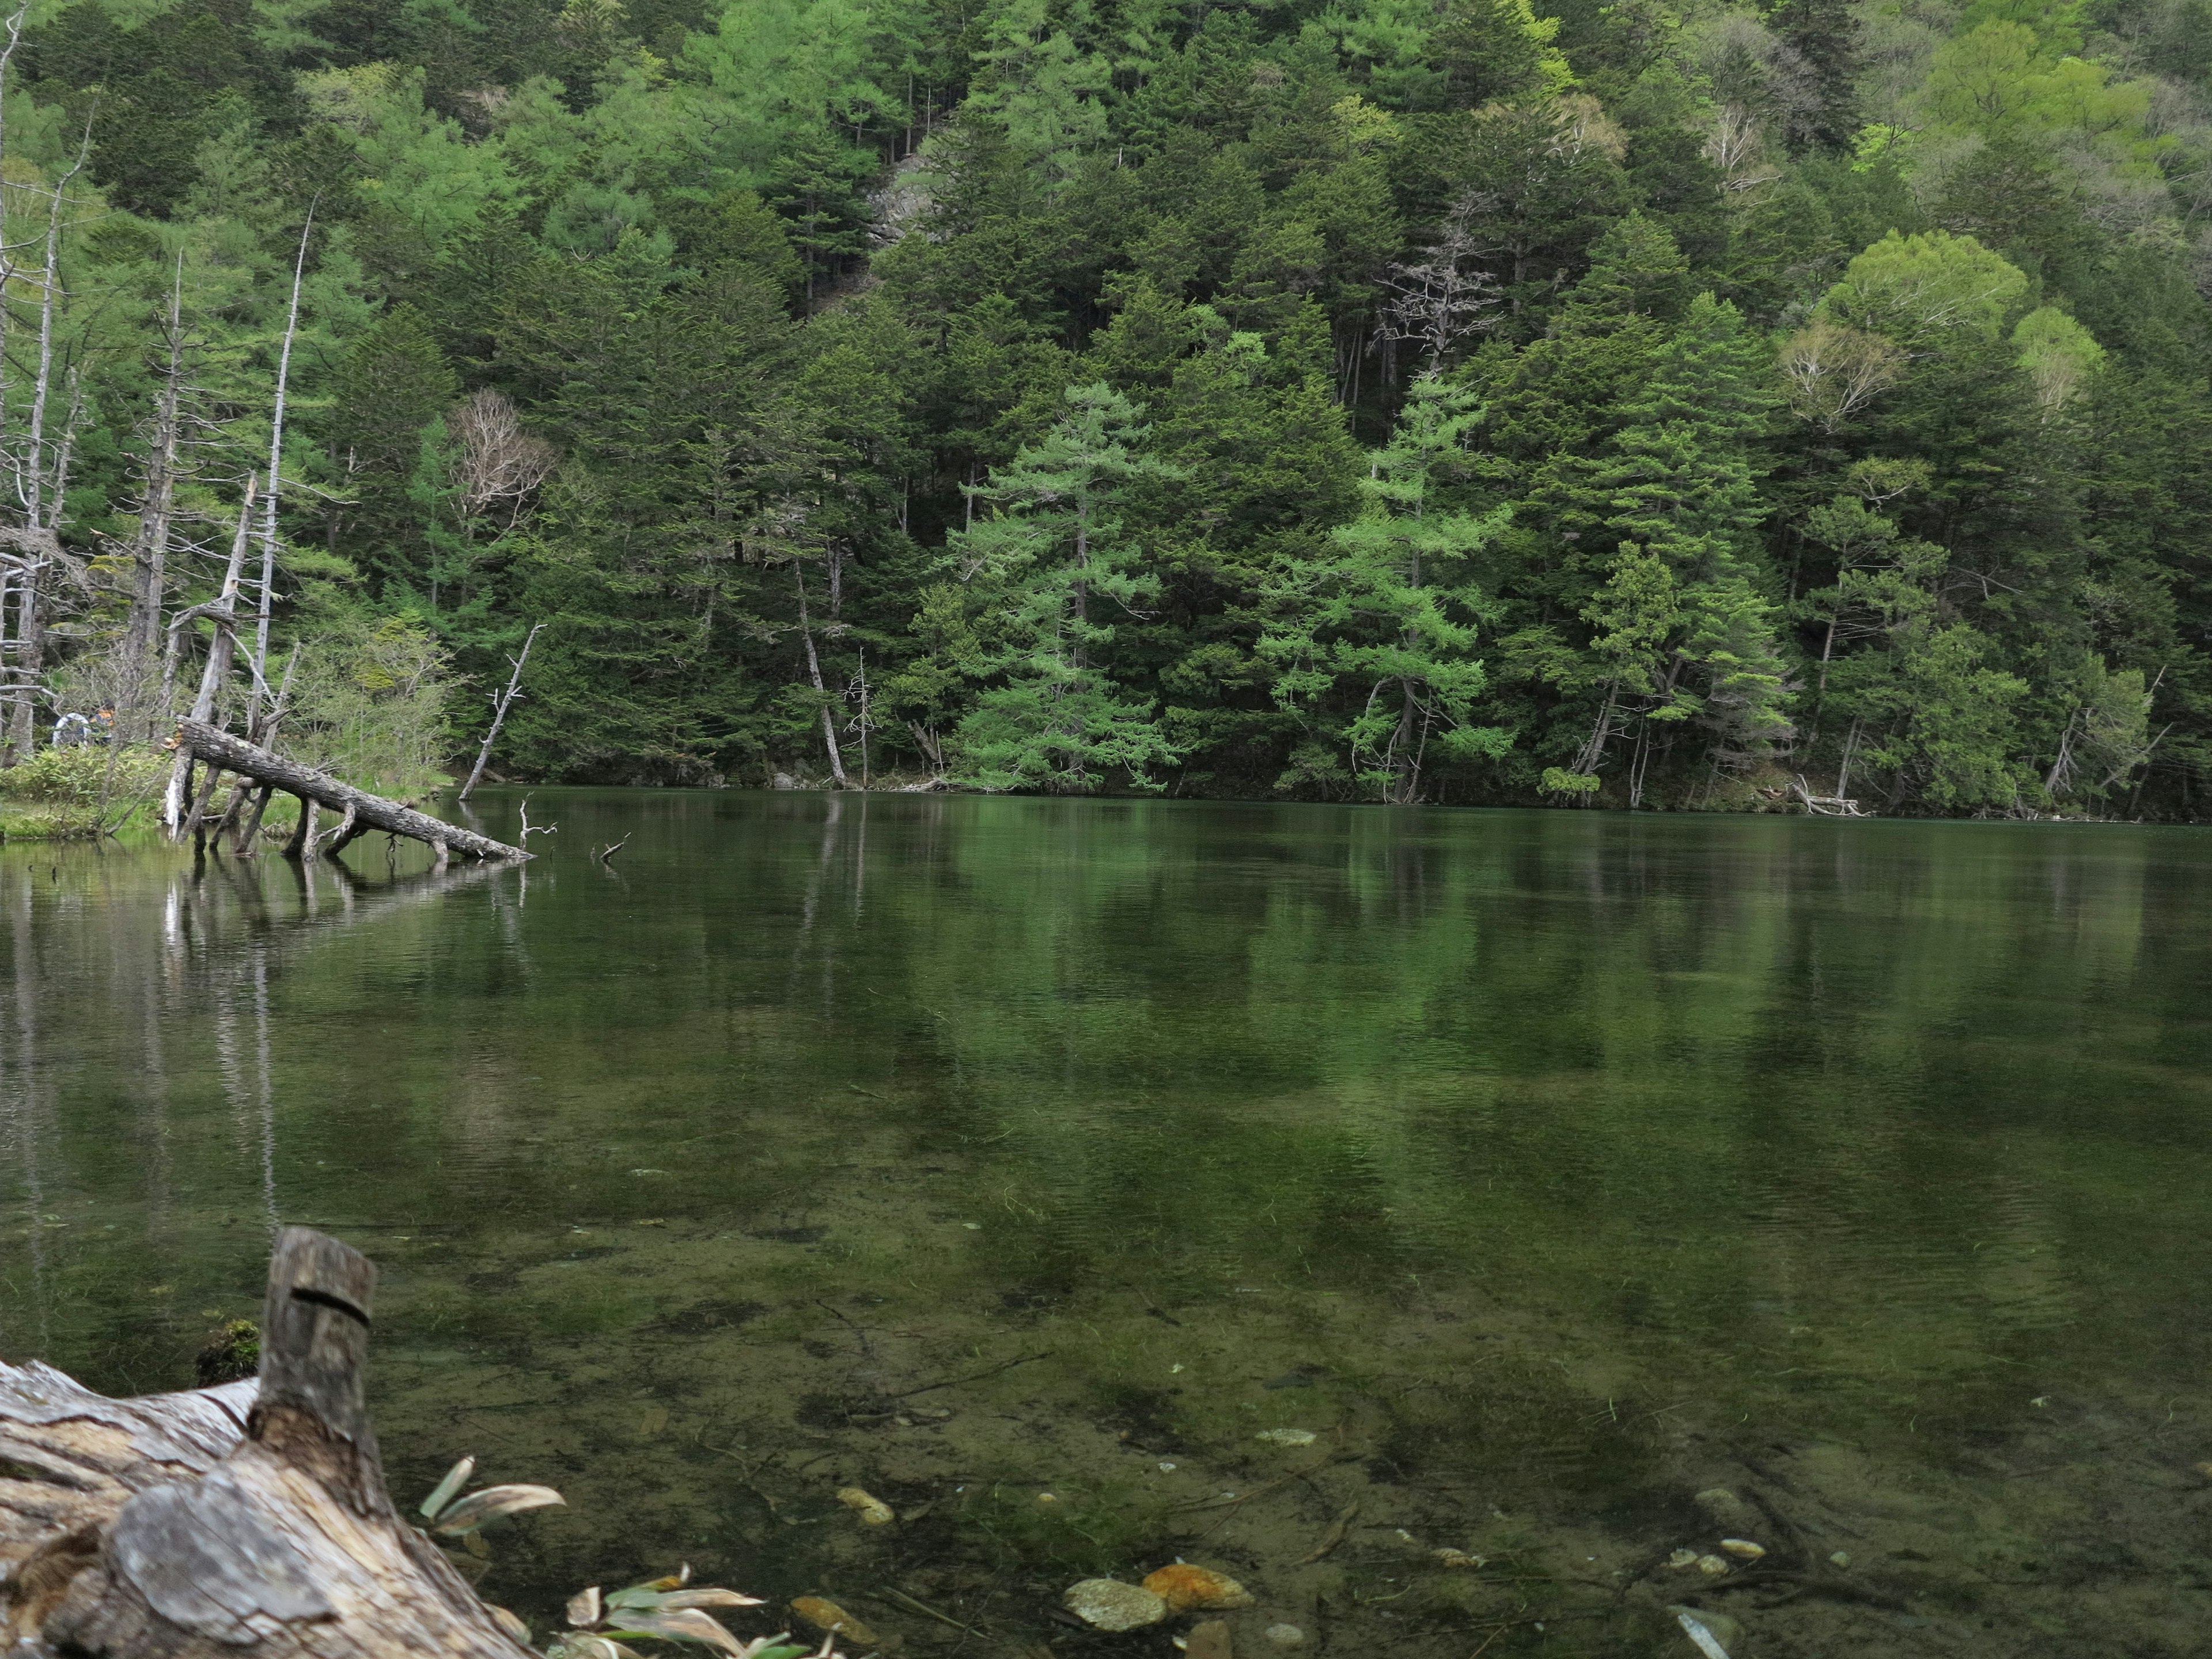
point(814, 673)
point(360, 810)
point(243, 1519)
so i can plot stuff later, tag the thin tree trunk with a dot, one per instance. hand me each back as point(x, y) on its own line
point(149, 555)
point(217, 667)
point(506, 701)
point(814, 673)
point(276, 480)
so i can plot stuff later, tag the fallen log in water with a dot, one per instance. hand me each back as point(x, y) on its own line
point(358, 810)
point(251, 1517)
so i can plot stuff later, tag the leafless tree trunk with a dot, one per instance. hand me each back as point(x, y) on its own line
point(276, 489)
point(224, 610)
point(814, 672)
point(501, 704)
point(31, 471)
point(150, 551)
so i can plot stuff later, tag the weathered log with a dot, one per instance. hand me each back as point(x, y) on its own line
point(252, 1516)
point(361, 812)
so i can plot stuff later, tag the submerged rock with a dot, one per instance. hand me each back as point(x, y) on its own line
point(1712, 1565)
point(1286, 1636)
point(1109, 1604)
point(1183, 1587)
point(1726, 1510)
point(1743, 1549)
point(831, 1620)
point(1681, 1558)
point(1286, 1436)
point(1207, 1641)
point(872, 1510)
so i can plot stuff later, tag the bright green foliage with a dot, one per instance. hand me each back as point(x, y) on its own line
point(1922, 290)
point(1382, 629)
point(1054, 568)
point(732, 341)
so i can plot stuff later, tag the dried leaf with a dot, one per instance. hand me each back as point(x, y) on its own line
point(585, 1607)
point(456, 1477)
point(477, 1547)
point(684, 1624)
point(710, 1598)
point(593, 1647)
point(479, 1507)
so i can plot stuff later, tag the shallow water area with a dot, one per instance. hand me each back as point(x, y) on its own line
point(1590, 1188)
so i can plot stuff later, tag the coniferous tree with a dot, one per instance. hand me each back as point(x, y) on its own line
point(1057, 567)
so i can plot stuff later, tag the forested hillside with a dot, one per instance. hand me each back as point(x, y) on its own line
point(1394, 400)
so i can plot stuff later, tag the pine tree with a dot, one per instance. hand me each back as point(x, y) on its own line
point(1373, 642)
point(1054, 558)
point(1681, 484)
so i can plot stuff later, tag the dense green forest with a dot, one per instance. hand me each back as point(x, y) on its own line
point(1394, 400)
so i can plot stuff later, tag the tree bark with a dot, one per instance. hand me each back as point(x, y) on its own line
point(234, 754)
point(500, 705)
point(252, 1516)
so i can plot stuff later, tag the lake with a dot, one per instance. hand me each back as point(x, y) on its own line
point(1436, 1219)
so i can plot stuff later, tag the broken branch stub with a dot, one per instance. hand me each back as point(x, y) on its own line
point(190, 1525)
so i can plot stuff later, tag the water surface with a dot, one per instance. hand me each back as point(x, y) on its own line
point(1023, 1162)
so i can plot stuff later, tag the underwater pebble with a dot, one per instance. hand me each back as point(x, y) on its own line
point(1109, 1604)
point(1681, 1558)
point(1285, 1636)
point(1841, 1559)
point(1286, 1436)
point(872, 1510)
point(1183, 1587)
point(828, 1618)
point(1743, 1549)
point(1207, 1641)
point(1451, 1557)
point(1711, 1566)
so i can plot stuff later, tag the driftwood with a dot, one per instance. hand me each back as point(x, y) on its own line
point(358, 810)
point(251, 1518)
point(1831, 806)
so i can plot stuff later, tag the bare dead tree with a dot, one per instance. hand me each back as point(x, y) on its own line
point(276, 485)
point(499, 461)
point(1438, 300)
point(500, 702)
point(38, 479)
point(224, 608)
point(814, 673)
point(150, 553)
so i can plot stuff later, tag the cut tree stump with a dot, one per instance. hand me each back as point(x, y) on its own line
point(247, 1520)
point(359, 810)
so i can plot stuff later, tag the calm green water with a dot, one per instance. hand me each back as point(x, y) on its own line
point(1549, 1167)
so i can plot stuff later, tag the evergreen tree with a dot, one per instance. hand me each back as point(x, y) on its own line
point(1053, 560)
point(1373, 642)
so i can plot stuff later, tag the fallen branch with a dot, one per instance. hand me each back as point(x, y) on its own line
point(360, 812)
point(1831, 806)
